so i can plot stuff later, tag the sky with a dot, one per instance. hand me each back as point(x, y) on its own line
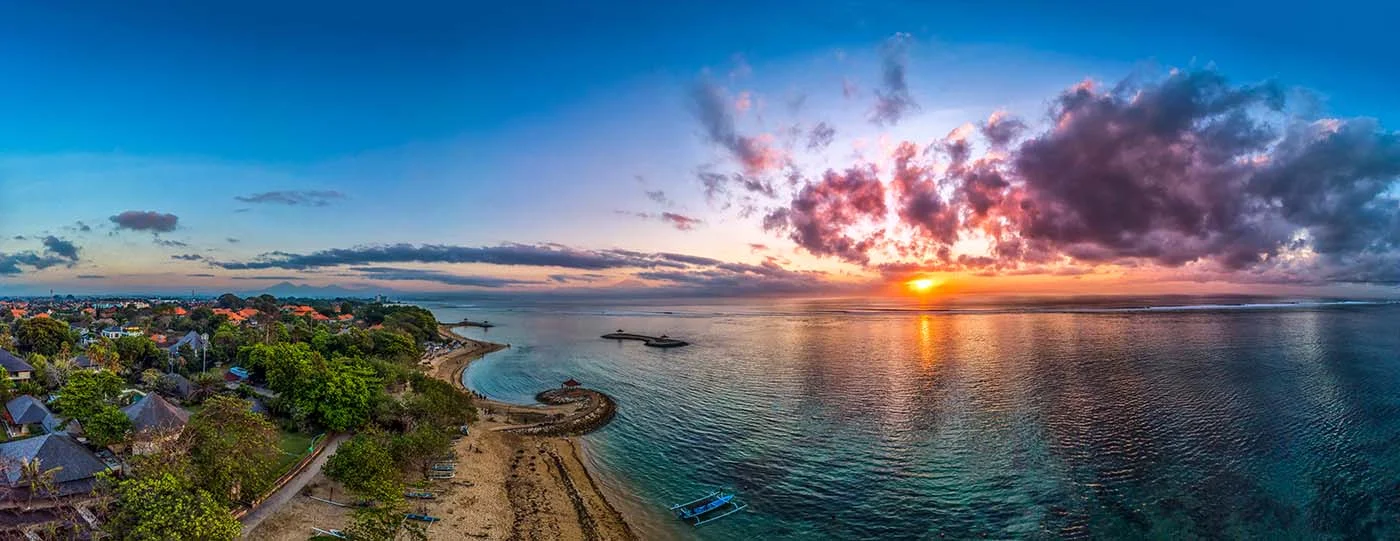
point(715, 148)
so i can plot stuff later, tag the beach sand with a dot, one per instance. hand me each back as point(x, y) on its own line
point(508, 486)
point(293, 522)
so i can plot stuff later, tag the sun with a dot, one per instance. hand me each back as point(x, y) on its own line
point(922, 285)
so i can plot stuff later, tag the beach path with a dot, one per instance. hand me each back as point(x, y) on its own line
point(273, 503)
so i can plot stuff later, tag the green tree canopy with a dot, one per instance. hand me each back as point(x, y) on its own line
point(339, 395)
point(232, 449)
point(168, 505)
point(87, 393)
point(139, 352)
point(365, 465)
point(230, 301)
point(106, 427)
point(43, 335)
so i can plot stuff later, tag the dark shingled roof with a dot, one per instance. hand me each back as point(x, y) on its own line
point(155, 413)
point(26, 410)
point(52, 451)
point(13, 364)
point(180, 385)
point(82, 361)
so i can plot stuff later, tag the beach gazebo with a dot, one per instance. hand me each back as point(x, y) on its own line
point(572, 383)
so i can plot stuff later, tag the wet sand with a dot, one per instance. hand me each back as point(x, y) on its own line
point(522, 486)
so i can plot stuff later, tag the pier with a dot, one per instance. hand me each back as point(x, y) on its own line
point(662, 341)
point(479, 324)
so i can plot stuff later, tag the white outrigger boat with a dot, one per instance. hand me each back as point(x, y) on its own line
point(713, 506)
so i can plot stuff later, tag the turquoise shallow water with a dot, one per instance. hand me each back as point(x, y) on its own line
point(846, 421)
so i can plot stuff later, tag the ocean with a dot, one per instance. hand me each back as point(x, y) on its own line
point(1123, 418)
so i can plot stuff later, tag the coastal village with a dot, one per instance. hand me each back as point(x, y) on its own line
point(266, 418)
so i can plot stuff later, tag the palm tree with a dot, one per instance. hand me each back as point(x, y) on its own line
point(204, 385)
point(38, 478)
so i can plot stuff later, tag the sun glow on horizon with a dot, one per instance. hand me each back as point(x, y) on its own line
point(923, 285)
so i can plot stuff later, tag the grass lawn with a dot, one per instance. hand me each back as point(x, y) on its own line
point(294, 446)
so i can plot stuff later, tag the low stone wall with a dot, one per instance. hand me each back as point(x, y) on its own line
point(597, 412)
point(285, 478)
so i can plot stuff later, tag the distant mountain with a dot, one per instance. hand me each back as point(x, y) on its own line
point(288, 289)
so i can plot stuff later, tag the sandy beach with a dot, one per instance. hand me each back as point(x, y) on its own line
point(510, 484)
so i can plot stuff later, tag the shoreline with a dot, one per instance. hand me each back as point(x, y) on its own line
point(543, 489)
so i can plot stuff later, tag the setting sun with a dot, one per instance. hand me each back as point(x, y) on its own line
point(922, 285)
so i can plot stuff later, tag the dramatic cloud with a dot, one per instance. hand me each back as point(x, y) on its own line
point(232, 240)
point(154, 222)
point(201, 275)
point(730, 279)
point(424, 275)
point(892, 98)
point(12, 264)
point(1185, 169)
point(60, 248)
point(92, 277)
point(821, 215)
point(537, 255)
point(171, 243)
point(307, 198)
point(187, 257)
point(712, 107)
point(1000, 129)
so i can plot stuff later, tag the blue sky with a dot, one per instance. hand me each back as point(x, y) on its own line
point(471, 124)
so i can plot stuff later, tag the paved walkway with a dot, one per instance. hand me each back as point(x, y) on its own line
point(292, 488)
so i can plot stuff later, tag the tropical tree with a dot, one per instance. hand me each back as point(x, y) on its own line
point(167, 504)
point(7, 387)
point(384, 522)
point(365, 465)
point(419, 449)
point(204, 385)
point(394, 345)
point(104, 354)
point(87, 393)
point(232, 449)
point(230, 301)
point(40, 480)
point(106, 427)
point(43, 335)
point(150, 377)
point(139, 352)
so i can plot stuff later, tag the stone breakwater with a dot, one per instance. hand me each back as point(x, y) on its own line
point(593, 411)
point(651, 341)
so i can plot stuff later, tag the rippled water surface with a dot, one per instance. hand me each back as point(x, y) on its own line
point(839, 423)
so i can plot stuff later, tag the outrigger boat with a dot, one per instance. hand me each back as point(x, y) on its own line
point(713, 506)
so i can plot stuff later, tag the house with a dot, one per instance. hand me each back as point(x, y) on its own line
point(74, 467)
point(15, 366)
point(22, 413)
point(155, 422)
point(180, 386)
point(82, 362)
point(194, 340)
point(233, 316)
point(115, 332)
